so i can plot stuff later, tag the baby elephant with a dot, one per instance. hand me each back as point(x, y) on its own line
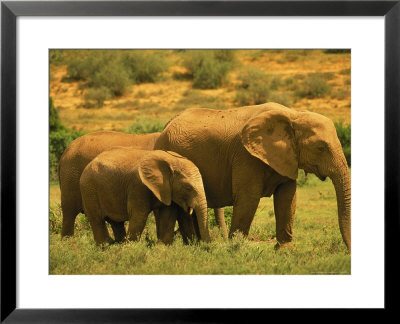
point(126, 184)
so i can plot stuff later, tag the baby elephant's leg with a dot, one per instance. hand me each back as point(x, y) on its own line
point(99, 229)
point(166, 223)
point(118, 230)
point(96, 218)
point(137, 222)
point(188, 226)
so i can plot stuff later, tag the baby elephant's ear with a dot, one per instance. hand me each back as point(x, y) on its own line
point(156, 174)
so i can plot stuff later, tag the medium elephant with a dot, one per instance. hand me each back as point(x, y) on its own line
point(247, 153)
point(78, 155)
point(126, 184)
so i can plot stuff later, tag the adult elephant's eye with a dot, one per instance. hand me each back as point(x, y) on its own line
point(321, 149)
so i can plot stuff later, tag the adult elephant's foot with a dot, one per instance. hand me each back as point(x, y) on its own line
point(285, 246)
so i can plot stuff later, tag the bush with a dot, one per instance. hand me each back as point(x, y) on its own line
point(54, 120)
point(81, 68)
point(112, 76)
point(225, 55)
point(344, 135)
point(59, 139)
point(314, 86)
point(254, 88)
point(58, 142)
point(114, 70)
point(208, 68)
point(57, 57)
point(142, 125)
point(281, 98)
point(98, 96)
point(143, 67)
point(100, 69)
point(337, 51)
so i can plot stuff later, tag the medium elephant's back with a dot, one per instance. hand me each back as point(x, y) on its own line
point(92, 144)
point(85, 148)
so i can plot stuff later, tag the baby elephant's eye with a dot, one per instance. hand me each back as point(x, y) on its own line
point(321, 149)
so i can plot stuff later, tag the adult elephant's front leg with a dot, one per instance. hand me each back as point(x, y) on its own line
point(118, 229)
point(244, 208)
point(285, 207)
point(220, 220)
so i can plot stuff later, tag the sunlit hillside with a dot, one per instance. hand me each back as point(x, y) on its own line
point(315, 80)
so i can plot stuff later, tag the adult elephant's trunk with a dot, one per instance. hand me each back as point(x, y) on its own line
point(201, 214)
point(342, 182)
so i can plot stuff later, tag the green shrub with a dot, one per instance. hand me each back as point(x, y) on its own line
point(208, 68)
point(341, 94)
point(345, 72)
point(58, 142)
point(114, 70)
point(144, 125)
point(210, 75)
point(344, 135)
point(276, 82)
point(337, 51)
point(98, 96)
point(143, 67)
point(54, 120)
point(313, 87)
point(59, 139)
point(225, 55)
point(57, 57)
point(112, 76)
point(254, 88)
point(81, 68)
point(99, 69)
point(281, 98)
point(322, 75)
point(289, 57)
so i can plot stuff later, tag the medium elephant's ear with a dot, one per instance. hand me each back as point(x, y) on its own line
point(270, 137)
point(155, 172)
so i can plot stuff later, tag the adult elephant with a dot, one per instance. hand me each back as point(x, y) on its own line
point(251, 152)
point(79, 154)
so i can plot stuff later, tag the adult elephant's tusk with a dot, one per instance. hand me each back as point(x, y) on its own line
point(190, 211)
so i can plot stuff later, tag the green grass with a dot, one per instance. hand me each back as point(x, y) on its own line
point(318, 246)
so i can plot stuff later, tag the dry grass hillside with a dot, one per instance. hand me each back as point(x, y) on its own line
point(315, 80)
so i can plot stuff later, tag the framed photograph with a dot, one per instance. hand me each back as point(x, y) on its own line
point(293, 103)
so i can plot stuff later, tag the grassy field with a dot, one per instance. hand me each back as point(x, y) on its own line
point(318, 247)
point(315, 80)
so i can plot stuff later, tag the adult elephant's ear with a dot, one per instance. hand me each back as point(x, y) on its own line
point(270, 137)
point(155, 172)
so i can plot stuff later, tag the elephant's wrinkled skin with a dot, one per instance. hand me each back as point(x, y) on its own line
point(78, 155)
point(126, 184)
point(251, 152)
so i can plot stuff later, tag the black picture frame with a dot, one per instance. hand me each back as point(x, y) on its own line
point(10, 10)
